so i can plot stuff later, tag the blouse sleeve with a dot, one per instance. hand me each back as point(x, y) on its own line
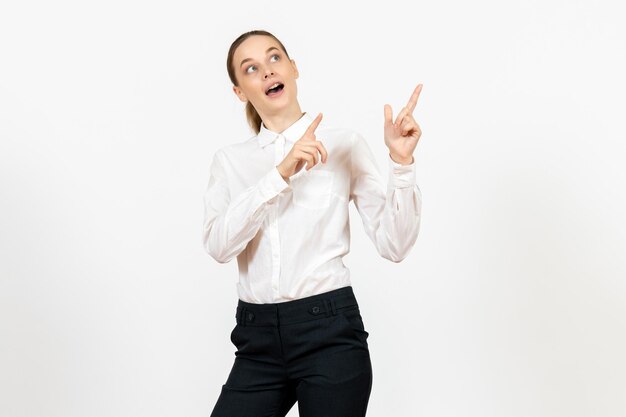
point(392, 218)
point(229, 224)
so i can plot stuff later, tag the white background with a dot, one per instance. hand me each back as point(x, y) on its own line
point(513, 300)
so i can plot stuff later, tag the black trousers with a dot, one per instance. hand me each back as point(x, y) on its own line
point(312, 350)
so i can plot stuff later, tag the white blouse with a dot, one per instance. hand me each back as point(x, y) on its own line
point(289, 237)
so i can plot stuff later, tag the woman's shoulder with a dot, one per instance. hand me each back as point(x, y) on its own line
point(237, 147)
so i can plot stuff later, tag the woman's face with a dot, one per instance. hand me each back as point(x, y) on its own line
point(264, 64)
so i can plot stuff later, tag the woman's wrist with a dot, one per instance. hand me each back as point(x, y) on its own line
point(400, 160)
point(282, 174)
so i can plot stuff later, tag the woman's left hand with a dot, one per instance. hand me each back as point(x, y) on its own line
point(401, 136)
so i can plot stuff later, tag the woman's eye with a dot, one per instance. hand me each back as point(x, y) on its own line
point(254, 66)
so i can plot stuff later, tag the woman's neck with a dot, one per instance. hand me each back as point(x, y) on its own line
point(279, 122)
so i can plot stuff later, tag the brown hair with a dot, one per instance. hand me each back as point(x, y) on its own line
point(254, 120)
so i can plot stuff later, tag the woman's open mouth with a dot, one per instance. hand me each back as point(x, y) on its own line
point(276, 90)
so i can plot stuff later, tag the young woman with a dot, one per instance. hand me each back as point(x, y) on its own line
point(299, 333)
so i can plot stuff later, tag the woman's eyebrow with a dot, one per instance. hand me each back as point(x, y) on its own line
point(266, 52)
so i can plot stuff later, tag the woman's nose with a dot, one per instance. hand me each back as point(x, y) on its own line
point(271, 73)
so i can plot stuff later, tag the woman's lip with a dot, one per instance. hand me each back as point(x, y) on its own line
point(267, 86)
point(280, 93)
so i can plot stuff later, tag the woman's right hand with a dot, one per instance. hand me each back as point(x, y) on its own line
point(303, 151)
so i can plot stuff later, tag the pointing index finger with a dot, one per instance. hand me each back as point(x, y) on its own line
point(311, 129)
point(413, 100)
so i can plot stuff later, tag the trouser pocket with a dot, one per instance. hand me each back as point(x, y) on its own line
point(353, 322)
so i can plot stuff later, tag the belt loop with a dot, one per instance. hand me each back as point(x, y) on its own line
point(327, 307)
point(332, 306)
point(243, 316)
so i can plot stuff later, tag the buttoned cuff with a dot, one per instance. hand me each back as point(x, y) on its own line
point(401, 176)
point(272, 184)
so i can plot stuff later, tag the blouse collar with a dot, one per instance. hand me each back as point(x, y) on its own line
point(292, 134)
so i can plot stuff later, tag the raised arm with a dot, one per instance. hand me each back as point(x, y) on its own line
point(391, 217)
point(230, 224)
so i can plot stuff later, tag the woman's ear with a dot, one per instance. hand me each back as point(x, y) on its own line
point(240, 94)
point(295, 68)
